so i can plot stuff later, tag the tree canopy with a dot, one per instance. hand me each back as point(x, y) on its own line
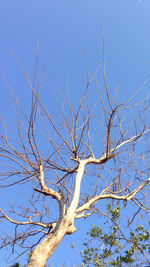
point(66, 167)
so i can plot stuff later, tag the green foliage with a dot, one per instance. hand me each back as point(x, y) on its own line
point(112, 248)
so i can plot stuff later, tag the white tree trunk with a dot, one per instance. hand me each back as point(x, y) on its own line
point(46, 248)
point(65, 225)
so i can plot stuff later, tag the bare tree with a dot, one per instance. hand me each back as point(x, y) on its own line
point(69, 166)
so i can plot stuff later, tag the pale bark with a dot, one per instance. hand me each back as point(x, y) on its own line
point(65, 224)
point(46, 248)
point(25, 161)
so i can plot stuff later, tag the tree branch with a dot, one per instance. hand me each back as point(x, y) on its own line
point(127, 197)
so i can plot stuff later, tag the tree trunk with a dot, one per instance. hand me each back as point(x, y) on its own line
point(46, 248)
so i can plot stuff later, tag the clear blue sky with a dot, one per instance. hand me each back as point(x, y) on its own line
point(62, 29)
